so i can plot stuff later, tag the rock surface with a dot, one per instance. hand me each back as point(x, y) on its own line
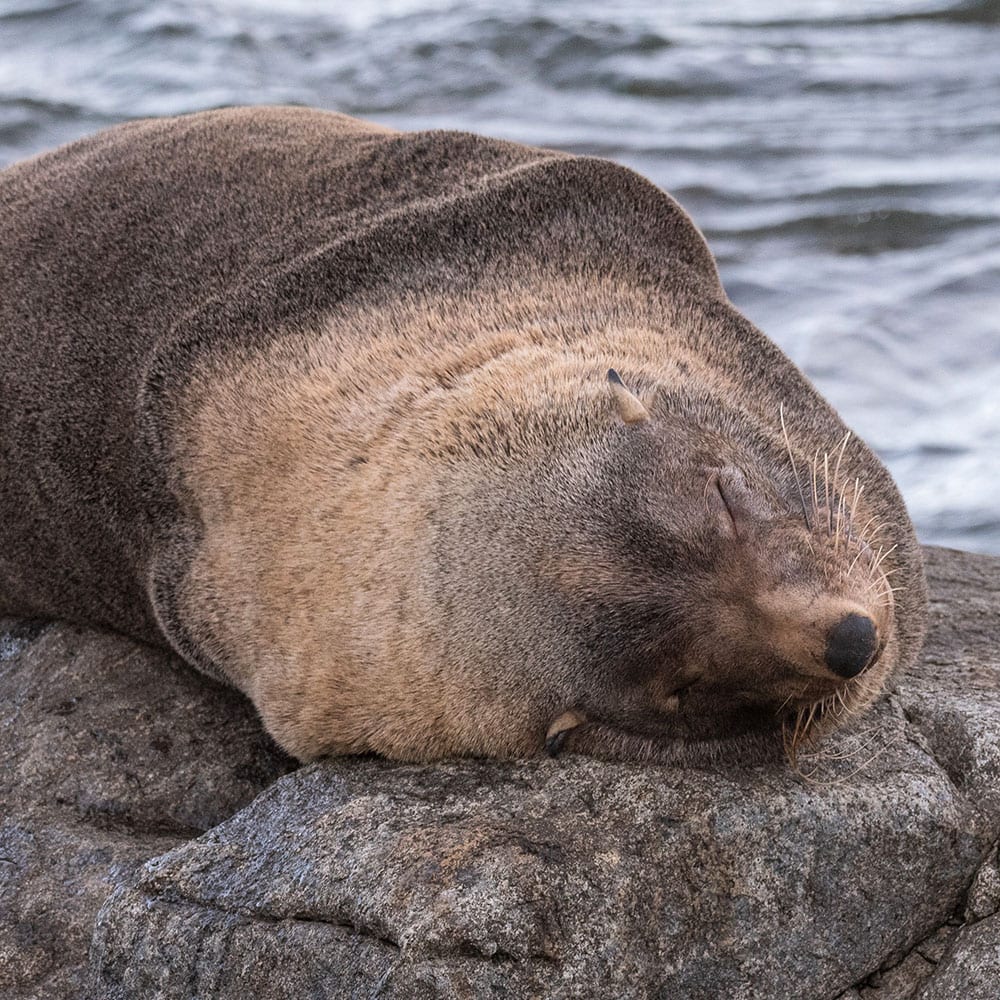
point(112, 753)
point(970, 970)
point(872, 875)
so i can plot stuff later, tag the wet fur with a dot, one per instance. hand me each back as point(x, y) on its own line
point(375, 476)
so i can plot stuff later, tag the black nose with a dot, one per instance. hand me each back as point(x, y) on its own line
point(851, 645)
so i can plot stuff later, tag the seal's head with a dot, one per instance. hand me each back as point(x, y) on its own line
point(714, 585)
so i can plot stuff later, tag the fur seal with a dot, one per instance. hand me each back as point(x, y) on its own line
point(431, 444)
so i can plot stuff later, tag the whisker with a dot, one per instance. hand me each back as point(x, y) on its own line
point(858, 490)
point(874, 586)
point(779, 709)
point(883, 556)
point(831, 707)
point(792, 749)
point(820, 757)
point(812, 715)
point(840, 457)
point(841, 511)
point(852, 746)
point(854, 561)
point(795, 694)
point(815, 486)
point(826, 493)
point(836, 474)
point(868, 524)
point(795, 470)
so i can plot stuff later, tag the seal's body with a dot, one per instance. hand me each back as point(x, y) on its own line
point(431, 444)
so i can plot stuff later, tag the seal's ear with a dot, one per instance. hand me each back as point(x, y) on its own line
point(630, 407)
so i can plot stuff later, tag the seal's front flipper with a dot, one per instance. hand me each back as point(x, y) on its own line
point(558, 732)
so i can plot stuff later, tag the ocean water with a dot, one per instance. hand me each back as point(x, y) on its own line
point(841, 156)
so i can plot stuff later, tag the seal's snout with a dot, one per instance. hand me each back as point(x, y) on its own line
point(851, 645)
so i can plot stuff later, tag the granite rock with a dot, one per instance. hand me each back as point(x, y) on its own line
point(970, 969)
point(112, 753)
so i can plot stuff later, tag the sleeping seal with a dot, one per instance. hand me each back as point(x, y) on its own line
point(431, 444)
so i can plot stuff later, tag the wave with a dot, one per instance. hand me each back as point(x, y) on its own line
point(975, 12)
point(865, 233)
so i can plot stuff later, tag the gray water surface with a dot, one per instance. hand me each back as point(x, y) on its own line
point(842, 157)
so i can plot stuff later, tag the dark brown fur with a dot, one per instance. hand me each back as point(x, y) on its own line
point(324, 408)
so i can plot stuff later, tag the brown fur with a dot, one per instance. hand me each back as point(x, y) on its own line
point(368, 466)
